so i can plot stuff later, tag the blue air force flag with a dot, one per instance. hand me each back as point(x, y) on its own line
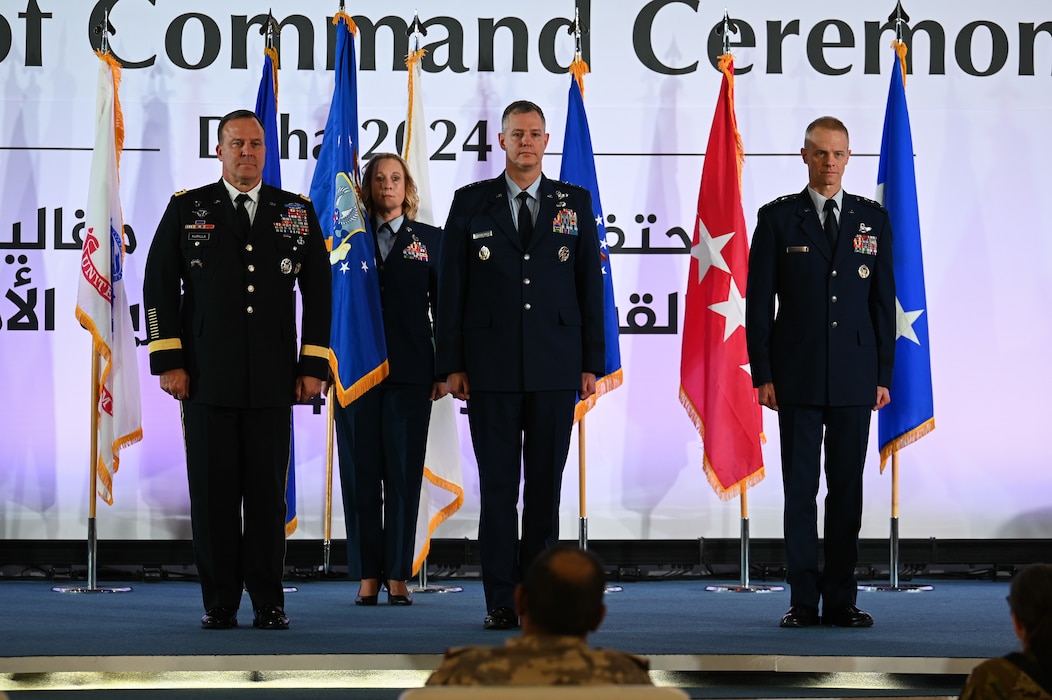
point(911, 413)
point(578, 168)
point(357, 349)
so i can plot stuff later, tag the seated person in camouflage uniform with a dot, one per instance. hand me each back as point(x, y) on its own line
point(559, 602)
point(1026, 675)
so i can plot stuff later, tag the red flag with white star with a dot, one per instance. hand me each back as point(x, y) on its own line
point(715, 382)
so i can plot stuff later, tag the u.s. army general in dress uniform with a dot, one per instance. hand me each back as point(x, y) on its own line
point(221, 317)
point(823, 361)
point(519, 333)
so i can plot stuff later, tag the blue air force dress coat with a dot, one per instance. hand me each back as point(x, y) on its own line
point(832, 341)
point(523, 322)
point(520, 319)
point(826, 345)
point(408, 293)
point(382, 436)
point(222, 306)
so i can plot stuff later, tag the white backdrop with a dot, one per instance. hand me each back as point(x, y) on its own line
point(980, 97)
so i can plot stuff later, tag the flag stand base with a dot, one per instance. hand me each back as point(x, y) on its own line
point(893, 586)
point(425, 588)
point(91, 587)
point(740, 588)
point(744, 586)
point(582, 543)
point(901, 588)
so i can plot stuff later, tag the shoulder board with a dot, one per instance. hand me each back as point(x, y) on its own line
point(866, 200)
point(783, 198)
point(561, 183)
point(180, 193)
point(476, 184)
point(303, 196)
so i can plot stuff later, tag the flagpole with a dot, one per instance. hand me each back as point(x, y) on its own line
point(104, 28)
point(744, 499)
point(582, 506)
point(894, 570)
point(898, 17)
point(329, 429)
point(894, 586)
point(92, 586)
point(744, 586)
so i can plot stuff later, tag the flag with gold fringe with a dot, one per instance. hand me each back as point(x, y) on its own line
point(715, 383)
point(911, 413)
point(442, 490)
point(102, 303)
point(357, 349)
point(578, 168)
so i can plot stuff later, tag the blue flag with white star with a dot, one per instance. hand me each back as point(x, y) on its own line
point(578, 168)
point(911, 413)
point(357, 349)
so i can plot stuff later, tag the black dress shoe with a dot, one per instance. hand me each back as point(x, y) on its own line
point(271, 618)
point(846, 616)
point(501, 619)
point(219, 619)
point(800, 616)
point(365, 599)
point(393, 599)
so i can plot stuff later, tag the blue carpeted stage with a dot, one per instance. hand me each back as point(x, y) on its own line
point(148, 643)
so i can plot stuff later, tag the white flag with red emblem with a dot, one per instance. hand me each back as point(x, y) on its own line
point(102, 306)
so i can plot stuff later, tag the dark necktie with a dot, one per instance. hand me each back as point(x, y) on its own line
point(242, 213)
point(831, 226)
point(525, 220)
point(385, 240)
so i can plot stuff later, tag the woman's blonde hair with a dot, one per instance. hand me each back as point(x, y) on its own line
point(410, 205)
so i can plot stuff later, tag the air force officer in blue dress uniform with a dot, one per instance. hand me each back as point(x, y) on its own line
point(520, 333)
point(382, 435)
point(822, 358)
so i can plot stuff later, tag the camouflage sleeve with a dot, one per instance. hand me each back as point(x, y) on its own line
point(990, 680)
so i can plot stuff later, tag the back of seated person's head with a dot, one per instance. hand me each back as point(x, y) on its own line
point(562, 592)
point(1030, 599)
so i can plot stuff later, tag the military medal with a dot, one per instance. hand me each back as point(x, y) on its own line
point(418, 251)
point(483, 253)
point(867, 245)
point(286, 266)
point(293, 222)
point(564, 254)
point(565, 222)
point(863, 271)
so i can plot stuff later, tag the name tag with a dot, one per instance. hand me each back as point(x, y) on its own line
point(481, 234)
point(797, 249)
